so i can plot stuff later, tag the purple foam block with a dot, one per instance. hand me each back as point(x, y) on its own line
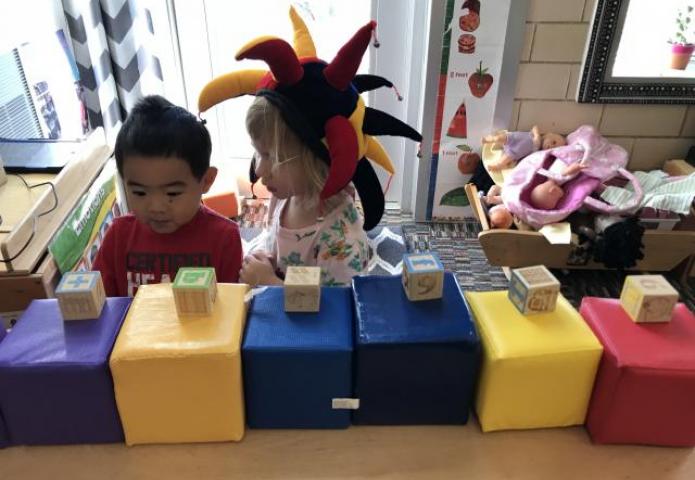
point(3, 430)
point(55, 382)
point(3, 433)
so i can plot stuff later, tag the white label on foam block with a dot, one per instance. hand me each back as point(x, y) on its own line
point(346, 403)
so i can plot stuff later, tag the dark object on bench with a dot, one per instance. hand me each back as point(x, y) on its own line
point(620, 245)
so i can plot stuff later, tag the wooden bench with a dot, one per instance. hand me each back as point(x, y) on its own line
point(25, 236)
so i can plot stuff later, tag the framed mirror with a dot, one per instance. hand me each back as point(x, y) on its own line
point(640, 52)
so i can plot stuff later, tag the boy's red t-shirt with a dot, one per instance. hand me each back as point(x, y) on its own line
point(132, 254)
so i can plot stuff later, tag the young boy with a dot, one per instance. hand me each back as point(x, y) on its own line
point(163, 157)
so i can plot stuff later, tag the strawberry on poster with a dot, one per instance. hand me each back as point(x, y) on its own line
point(474, 65)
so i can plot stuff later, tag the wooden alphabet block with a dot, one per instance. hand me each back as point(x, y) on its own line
point(423, 276)
point(302, 289)
point(195, 290)
point(648, 298)
point(533, 290)
point(81, 295)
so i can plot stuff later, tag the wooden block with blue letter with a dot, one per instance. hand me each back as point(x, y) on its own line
point(533, 290)
point(81, 295)
point(195, 290)
point(648, 298)
point(423, 276)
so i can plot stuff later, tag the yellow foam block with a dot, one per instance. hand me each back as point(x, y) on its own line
point(178, 379)
point(538, 371)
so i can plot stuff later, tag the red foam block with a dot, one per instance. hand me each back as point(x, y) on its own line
point(645, 386)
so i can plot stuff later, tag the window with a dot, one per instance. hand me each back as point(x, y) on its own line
point(38, 96)
point(18, 119)
point(644, 49)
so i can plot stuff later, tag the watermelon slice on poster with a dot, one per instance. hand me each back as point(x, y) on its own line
point(458, 127)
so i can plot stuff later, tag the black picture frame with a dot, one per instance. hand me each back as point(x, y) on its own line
point(596, 86)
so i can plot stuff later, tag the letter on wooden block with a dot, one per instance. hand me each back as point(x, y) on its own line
point(195, 290)
point(302, 289)
point(81, 295)
point(648, 298)
point(423, 276)
point(533, 290)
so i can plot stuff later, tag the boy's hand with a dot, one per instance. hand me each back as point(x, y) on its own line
point(257, 269)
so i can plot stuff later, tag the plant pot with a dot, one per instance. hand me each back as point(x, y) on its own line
point(680, 55)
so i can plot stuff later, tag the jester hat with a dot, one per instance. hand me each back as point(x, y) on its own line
point(321, 103)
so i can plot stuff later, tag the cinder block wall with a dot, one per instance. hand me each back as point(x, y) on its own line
point(556, 33)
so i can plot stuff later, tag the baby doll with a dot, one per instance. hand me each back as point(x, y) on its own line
point(546, 195)
point(517, 145)
point(499, 215)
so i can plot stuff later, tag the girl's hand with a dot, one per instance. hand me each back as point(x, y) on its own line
point(257, 269)
point(262, 254)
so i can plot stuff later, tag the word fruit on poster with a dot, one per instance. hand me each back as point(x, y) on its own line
point(468, 160)
point(480, 81)
point(458, 126)
point(471, 20)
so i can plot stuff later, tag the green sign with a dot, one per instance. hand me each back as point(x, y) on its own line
point(85, 220)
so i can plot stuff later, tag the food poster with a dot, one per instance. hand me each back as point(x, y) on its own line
point(473, 44)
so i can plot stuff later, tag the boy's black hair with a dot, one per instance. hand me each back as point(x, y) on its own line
point(157, 127)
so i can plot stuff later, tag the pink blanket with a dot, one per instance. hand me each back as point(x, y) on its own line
point(602, 159)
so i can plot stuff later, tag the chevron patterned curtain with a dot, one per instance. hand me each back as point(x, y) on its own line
point(112, 42)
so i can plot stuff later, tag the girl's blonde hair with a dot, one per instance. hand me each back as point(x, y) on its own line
point(264, 123)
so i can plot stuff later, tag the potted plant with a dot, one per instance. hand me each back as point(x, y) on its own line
point(682, 47)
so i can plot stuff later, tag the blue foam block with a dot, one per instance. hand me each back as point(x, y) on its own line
point(416, 362)
point(296, 363)
point(55, 382)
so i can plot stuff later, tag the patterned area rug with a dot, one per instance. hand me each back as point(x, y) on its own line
point(458, 247)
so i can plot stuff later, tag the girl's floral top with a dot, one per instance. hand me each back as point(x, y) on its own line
point(337, 243)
